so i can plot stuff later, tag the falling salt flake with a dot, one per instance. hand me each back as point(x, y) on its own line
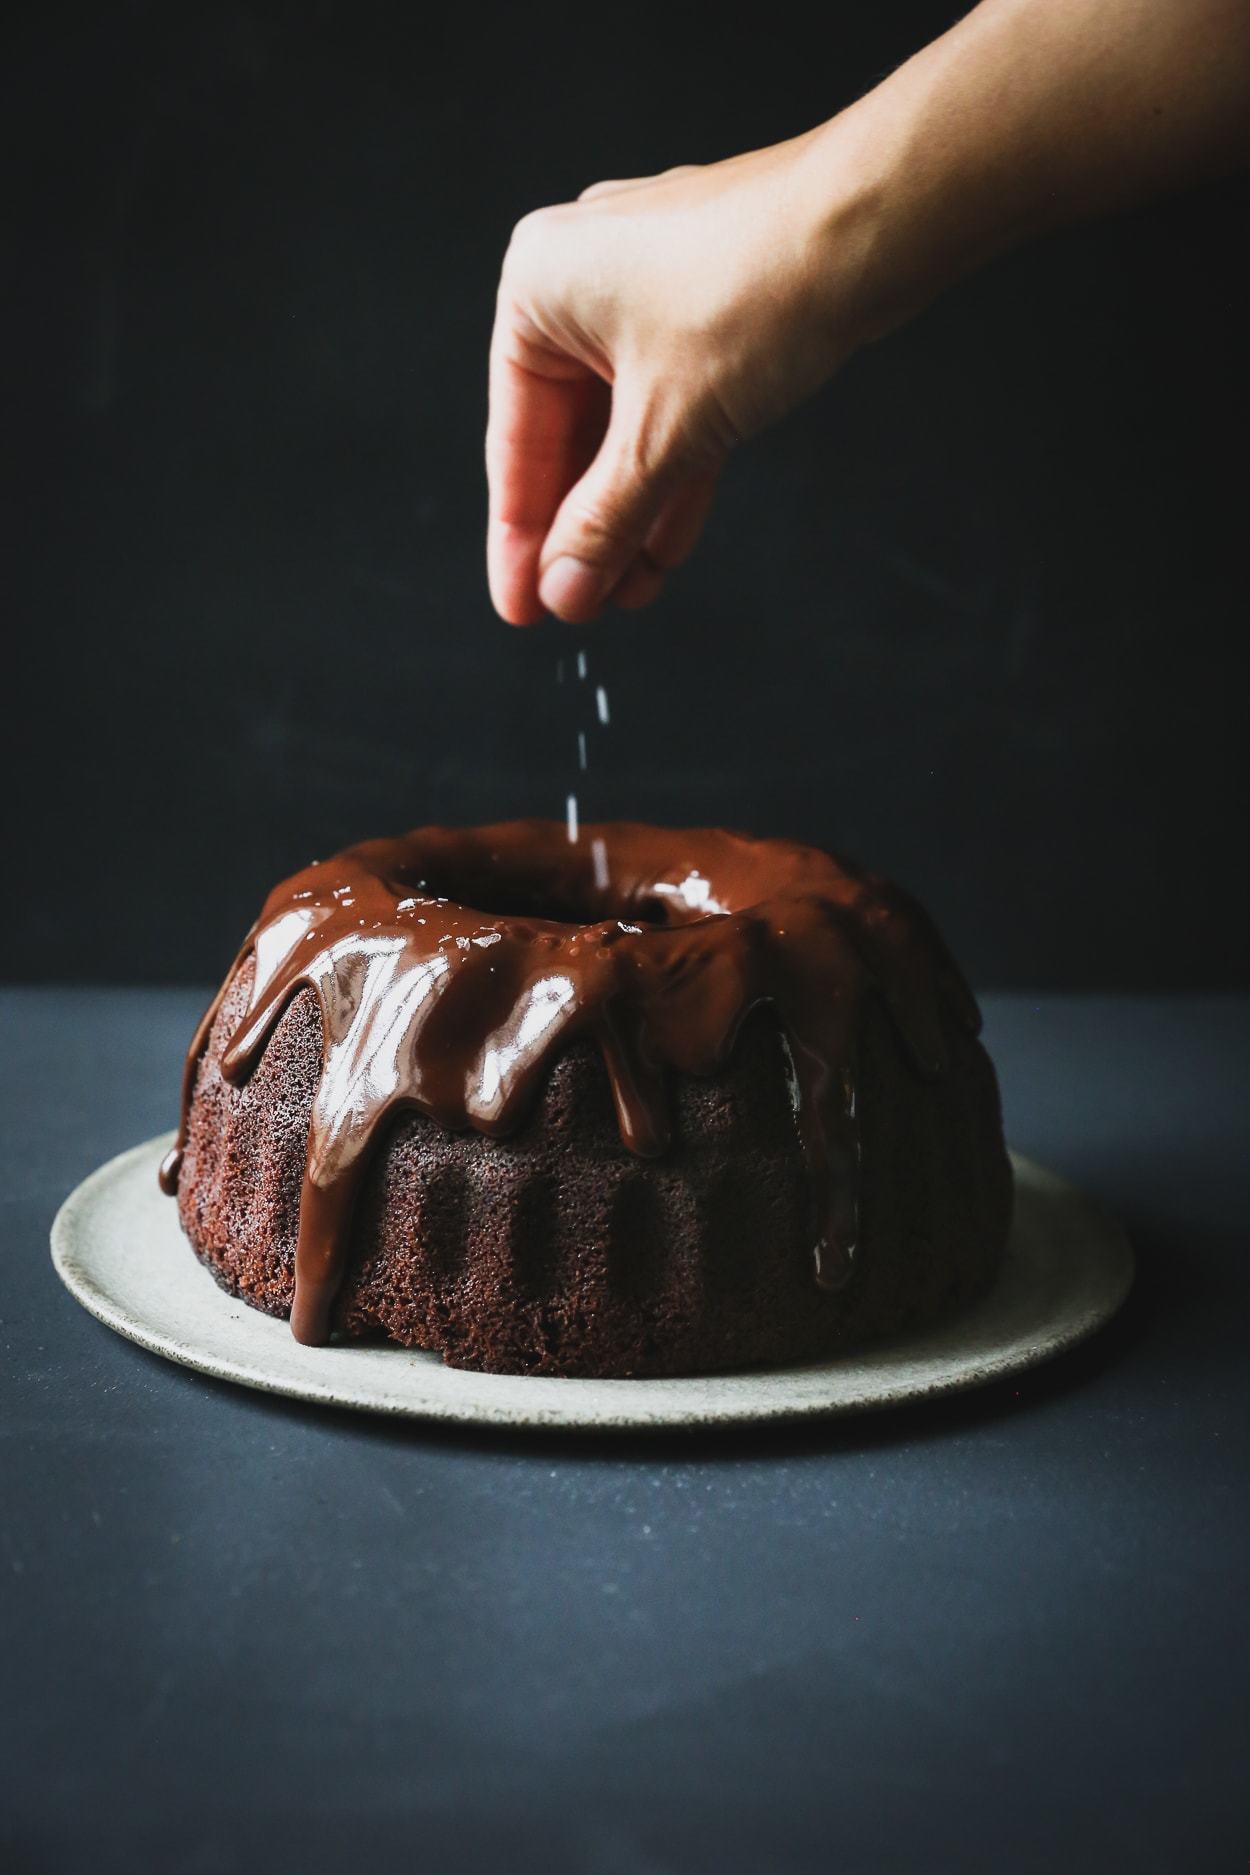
point(599, 856)
point(571, 818)
point(601, 703)
point(487, 939)
point(581, 750)
point(581, 664)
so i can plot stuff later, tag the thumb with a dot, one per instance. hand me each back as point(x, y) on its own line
point(603, 522)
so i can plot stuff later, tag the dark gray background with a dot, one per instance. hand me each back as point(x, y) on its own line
point(1006, 1635)
point(973, 616)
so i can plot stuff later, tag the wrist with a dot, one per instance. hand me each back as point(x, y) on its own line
point(858, 261)
point(908, 194)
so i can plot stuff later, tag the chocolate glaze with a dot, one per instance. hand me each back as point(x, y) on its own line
point(430, 1003)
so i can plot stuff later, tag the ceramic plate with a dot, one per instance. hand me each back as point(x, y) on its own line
point(117, 1245)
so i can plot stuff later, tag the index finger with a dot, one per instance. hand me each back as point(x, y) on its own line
point(548, 413)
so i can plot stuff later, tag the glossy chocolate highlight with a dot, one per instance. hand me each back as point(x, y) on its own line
point(451, 966)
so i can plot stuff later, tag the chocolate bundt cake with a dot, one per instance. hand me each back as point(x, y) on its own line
point(654, 1102)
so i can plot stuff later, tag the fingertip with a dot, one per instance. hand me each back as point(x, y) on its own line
point(573, 590)
point(512, 573)
point(517, 608)
point(522, 617)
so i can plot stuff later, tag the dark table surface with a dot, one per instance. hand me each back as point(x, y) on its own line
point(1004, 1633)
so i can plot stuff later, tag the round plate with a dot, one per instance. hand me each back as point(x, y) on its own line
point(118, 1247)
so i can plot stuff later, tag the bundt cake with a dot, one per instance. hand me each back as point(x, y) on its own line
point(650, 1102)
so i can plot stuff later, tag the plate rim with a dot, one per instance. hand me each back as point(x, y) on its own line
point(752, 1396)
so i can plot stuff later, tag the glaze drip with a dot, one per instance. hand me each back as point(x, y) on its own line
point(431, 999)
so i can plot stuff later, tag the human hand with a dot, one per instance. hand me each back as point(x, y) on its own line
point(641, 332)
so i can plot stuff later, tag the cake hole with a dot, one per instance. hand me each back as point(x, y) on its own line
point(584, 895)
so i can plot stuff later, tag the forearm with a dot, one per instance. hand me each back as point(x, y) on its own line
point(1026, 115)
